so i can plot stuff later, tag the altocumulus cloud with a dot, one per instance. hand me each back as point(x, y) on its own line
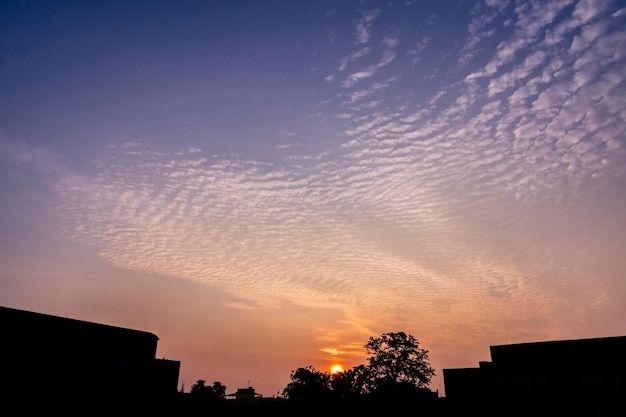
point(473, 203)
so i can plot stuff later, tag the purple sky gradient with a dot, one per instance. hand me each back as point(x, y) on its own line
point(265, 185)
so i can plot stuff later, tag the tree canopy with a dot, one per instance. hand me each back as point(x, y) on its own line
point(215, 392)
point(396, 365)
point(397, 358)
point(308, 384)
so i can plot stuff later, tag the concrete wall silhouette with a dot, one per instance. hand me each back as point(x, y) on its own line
point(61, 360)
point(585, 377)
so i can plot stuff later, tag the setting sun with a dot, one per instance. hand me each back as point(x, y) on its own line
point(264, 218)
point(335, 369)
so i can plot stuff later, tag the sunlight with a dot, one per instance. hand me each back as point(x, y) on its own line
point(336, 369)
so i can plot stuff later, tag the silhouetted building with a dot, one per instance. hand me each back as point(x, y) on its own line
point(62, 361)
point(585, 377)
point(165, 378)
point(244, 394)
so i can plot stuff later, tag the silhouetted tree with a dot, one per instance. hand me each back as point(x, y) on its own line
point(198, 388)
point(397, 369)
point(396, 360)
point(219, 390)
point(353, 382)
point(308, 384)
point(215, 392)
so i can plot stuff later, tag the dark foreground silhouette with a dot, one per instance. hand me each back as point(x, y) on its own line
point(364, 405)
point(56, 365)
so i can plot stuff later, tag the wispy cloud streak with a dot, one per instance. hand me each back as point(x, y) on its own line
point(433, 198)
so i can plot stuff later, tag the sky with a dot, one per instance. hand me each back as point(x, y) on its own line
point(266, 184)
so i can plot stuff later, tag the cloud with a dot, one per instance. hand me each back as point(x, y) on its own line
point(360, 94)
point(531, 19)
point(586, 10)
point(357, 76)
point(417, 51)
point(355, 350)
point(240, 306)
point(461, 202)
point(589, 34)
point(390, 42)
point(477, 32)
point(333, 351)
point(363, 26)
point(387, 57)
point(353, 57)
point(130, 145)
point(519, 73)
point(501, 5)
point(32, 157)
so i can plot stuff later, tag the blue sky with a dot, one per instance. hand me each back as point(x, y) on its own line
point(293, 177)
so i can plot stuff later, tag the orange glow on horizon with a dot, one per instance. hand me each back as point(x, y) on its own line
point(336, 369)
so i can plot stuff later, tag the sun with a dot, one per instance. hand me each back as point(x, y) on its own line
point(334, 369)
